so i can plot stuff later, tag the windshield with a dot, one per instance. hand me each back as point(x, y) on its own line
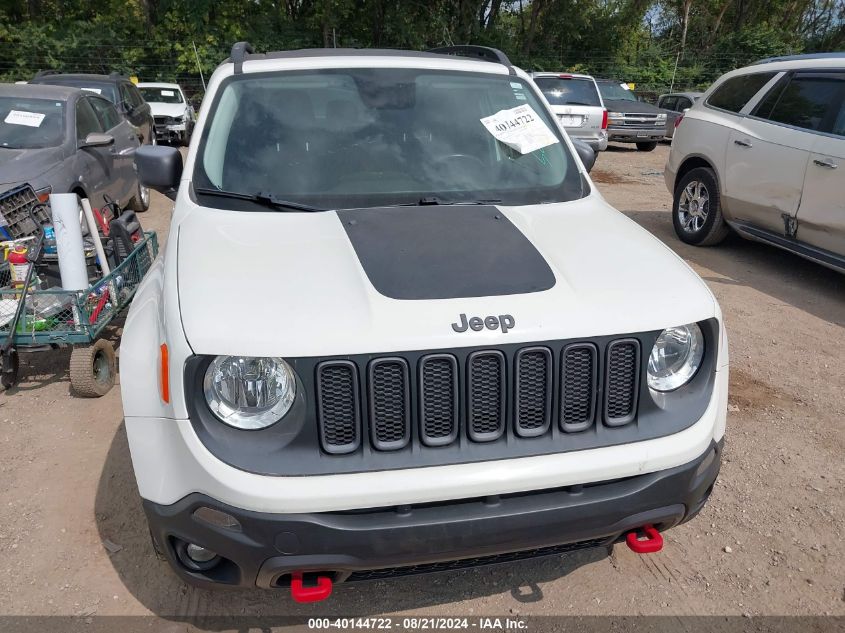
point(568, 91)
point(613, 90)
point(352, 138)
point(161, 95)
point(31, 123)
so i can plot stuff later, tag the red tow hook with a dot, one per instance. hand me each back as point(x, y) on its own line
point(653, 541)
point(300, 593)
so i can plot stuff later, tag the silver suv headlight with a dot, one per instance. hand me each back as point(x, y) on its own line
point(675, 357)
point(249, 392)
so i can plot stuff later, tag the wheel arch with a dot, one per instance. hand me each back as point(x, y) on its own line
point(693, 162)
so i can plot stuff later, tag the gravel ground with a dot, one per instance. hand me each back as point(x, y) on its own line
point(74, 541)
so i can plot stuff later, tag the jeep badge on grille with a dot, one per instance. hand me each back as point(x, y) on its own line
point(504, 322)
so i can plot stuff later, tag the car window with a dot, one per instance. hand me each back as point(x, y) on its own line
point(733, 94)
point(668, 103)
point(569, 91)
point(352, 138)
point(86, 120)
point(615, 91)
point(133, 98)
point(126, 98)
point(31, 123)
point(683, 104)
point(839, 122)
point(161, 95)
point(109, 118)
point(807, 100)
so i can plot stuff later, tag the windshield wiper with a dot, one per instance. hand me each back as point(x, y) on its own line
point(263, 198)
point(434, 200)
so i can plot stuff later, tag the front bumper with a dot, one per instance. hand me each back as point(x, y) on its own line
point(413, 539)
point(636, 135)
point(174, 132)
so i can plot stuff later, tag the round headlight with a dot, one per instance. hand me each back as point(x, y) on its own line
point(675, 357)
point(249, 392)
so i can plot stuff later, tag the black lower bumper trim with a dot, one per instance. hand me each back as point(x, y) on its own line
point(387, 542)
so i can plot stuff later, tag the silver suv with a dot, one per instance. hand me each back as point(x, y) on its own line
point(576, 102)
point(763, 153)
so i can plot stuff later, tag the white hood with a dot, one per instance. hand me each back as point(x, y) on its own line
point(168, 109)
point(292, 284)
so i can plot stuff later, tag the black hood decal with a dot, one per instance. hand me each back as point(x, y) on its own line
point(444, 252)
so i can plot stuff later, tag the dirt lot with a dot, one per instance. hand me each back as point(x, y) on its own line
point(74, 541)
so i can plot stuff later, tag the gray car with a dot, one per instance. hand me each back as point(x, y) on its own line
point(65, 140)
point(675, 104)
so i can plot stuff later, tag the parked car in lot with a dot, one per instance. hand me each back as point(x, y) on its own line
point(576, 102)
point(630, 120)
point(173, 114)
point(65, 140)
point(675, 104)
point(448, 369)
point(114, 87)
point(763, 153)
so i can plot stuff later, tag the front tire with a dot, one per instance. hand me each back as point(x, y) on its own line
point(141, 200)
point(647, 147)
point(697, 209)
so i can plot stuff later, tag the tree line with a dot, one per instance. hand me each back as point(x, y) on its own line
point(683, 43)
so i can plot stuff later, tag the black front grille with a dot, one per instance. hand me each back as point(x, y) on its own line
point(465, 563)
point(622, 380)
point(486, 395)
point(390, 413)
point(470, 397)
point(338, 406)
point(533, 391)
point(439, 399)
point(578, 387)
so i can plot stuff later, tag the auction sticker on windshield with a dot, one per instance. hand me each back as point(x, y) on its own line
point(19, 117)
point(520, 128)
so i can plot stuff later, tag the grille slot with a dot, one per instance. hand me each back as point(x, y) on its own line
point(338, 406)
point(485, 395)
point(533, 391)
point(578, 387)
point(438, 396)
point(390, 404)
point(622, 379)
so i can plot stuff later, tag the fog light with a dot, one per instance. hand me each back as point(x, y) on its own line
point(195, 557)
point(199, 554)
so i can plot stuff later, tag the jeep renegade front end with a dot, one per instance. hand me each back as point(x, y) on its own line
point(396, 329)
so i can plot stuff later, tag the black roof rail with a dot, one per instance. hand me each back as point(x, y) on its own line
point(484, 53)
point(240, 51)
point(45, 73)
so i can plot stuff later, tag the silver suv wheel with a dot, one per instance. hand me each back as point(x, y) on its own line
point(693, 206)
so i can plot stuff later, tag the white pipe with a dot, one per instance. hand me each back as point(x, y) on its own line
point(65, 210)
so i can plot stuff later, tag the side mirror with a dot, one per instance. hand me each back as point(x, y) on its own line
point(585, 153)
point(160, 168)
point(97, 139)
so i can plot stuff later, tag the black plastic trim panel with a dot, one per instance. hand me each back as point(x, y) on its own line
point(292, 446)
point(418, 538)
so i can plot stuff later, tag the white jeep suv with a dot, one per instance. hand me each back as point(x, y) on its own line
point(396, 329)
point(763, 153)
